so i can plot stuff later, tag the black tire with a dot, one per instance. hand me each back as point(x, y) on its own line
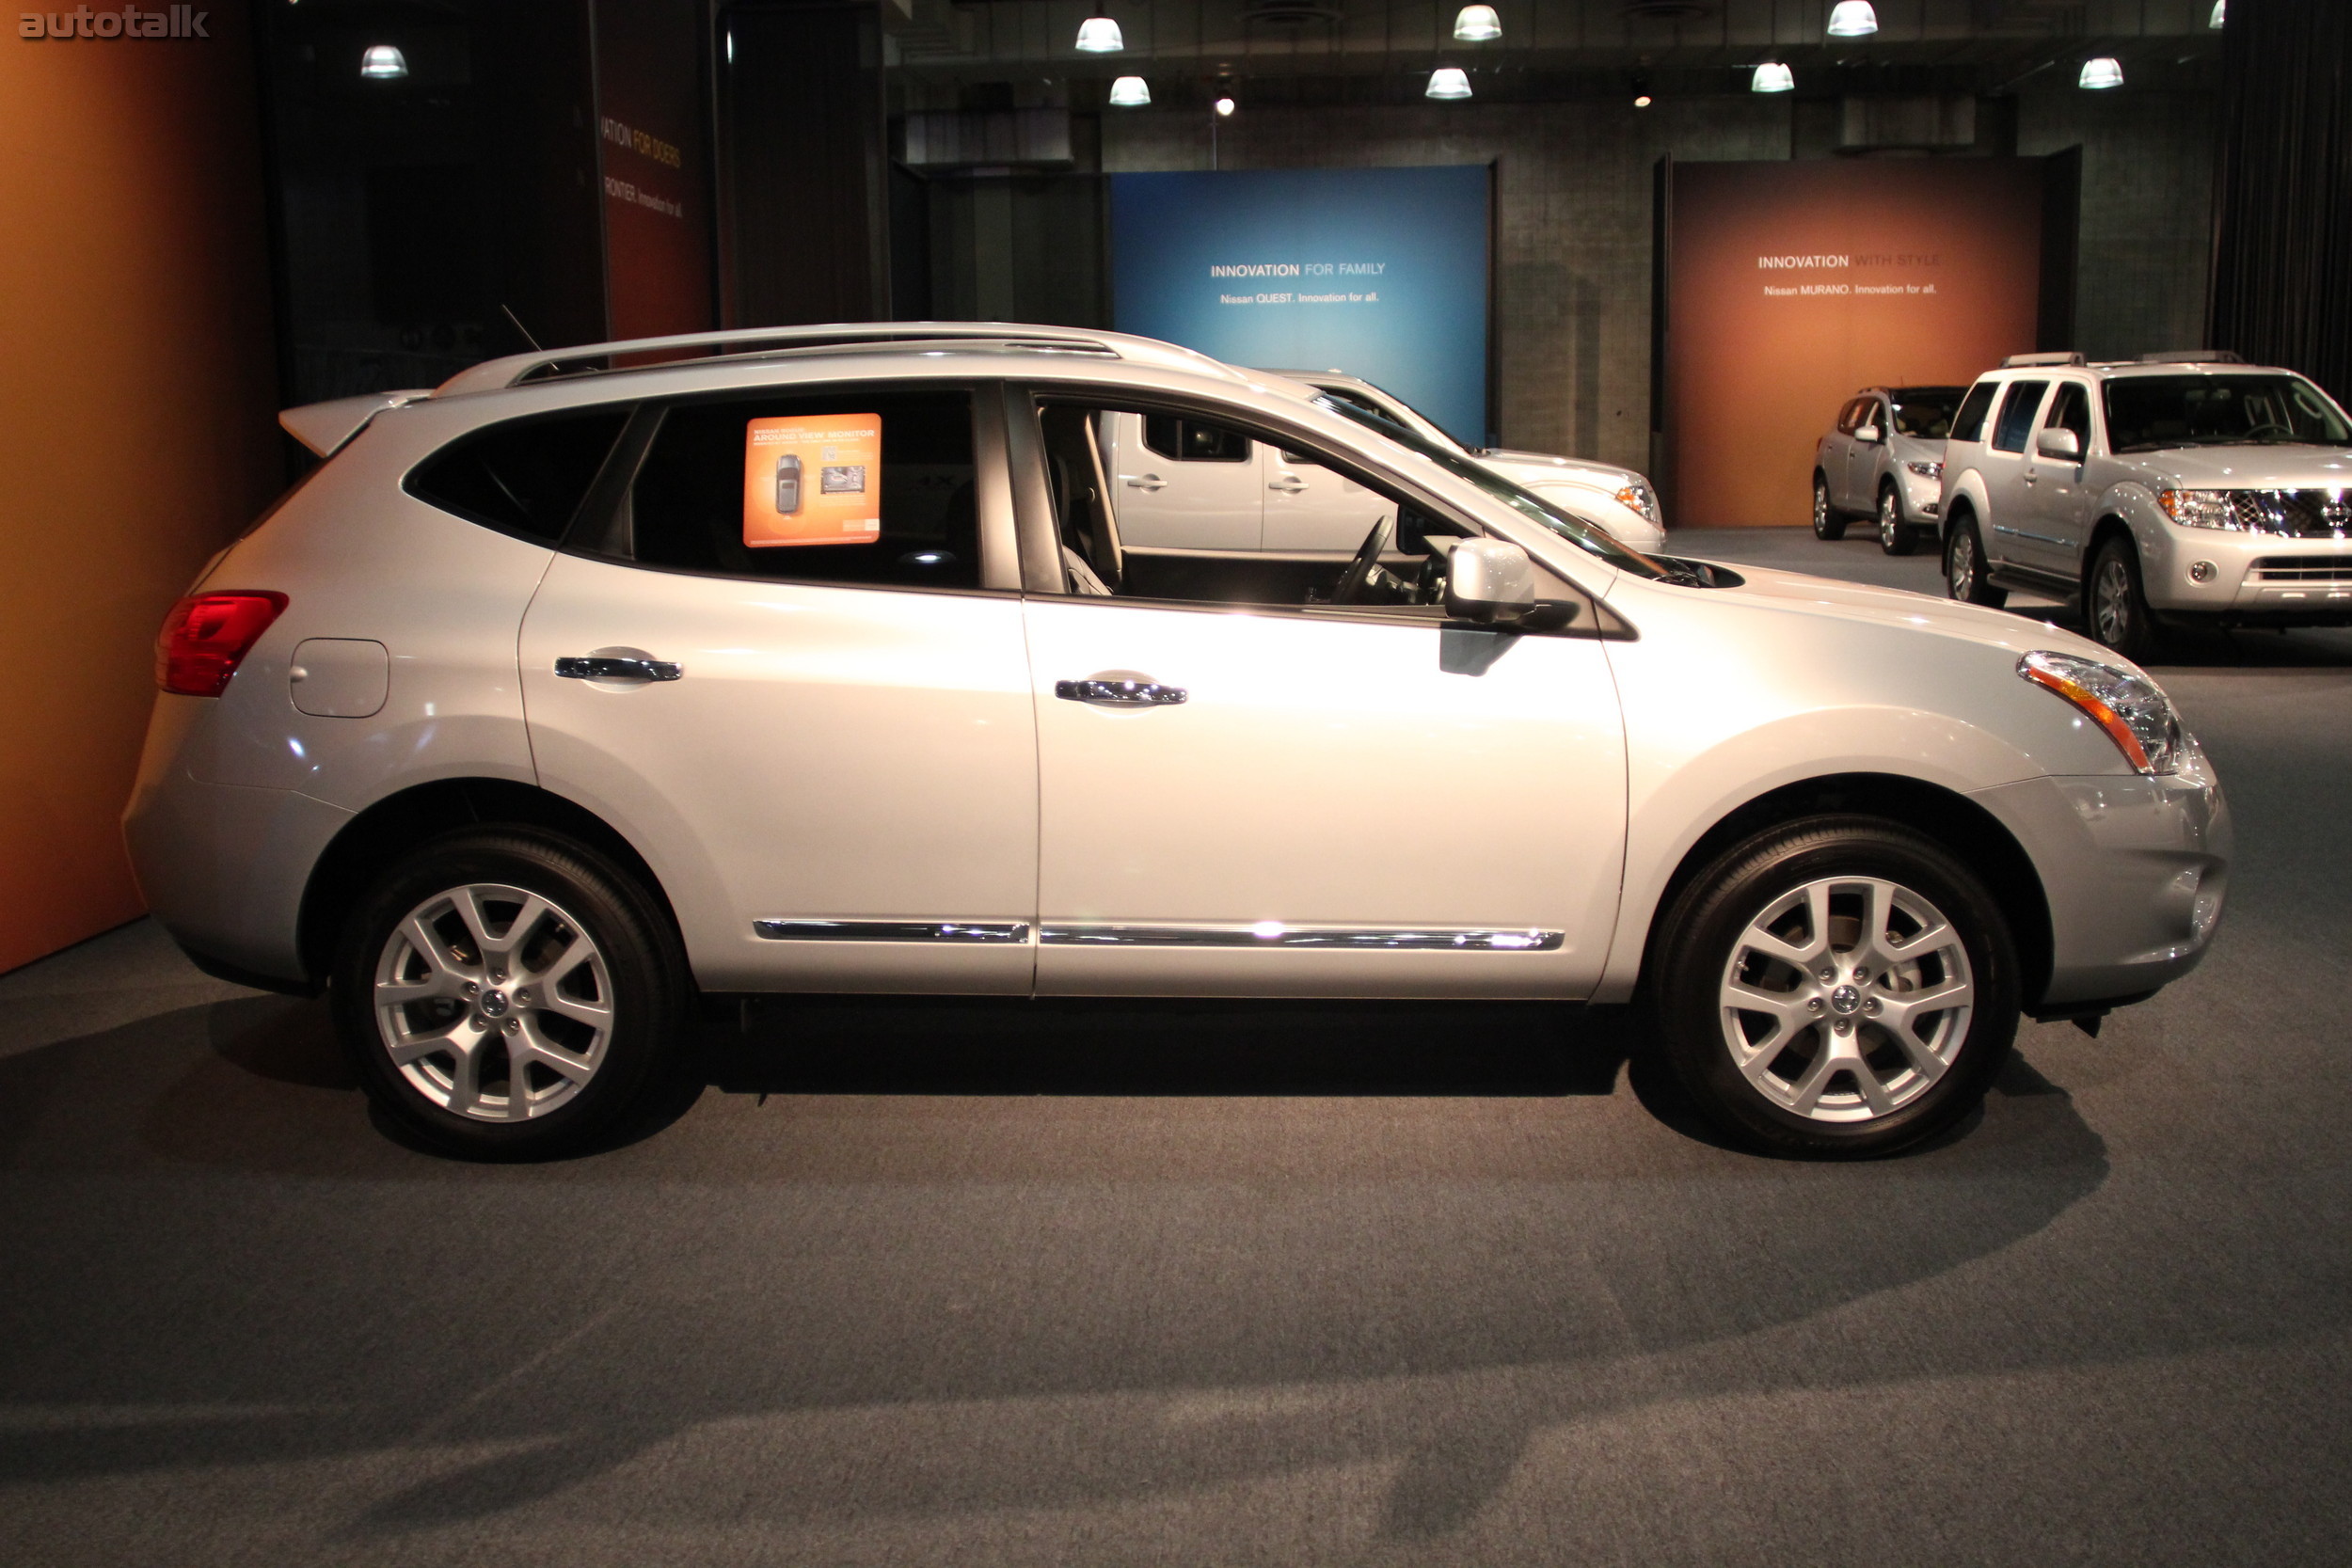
point(461, 1102)
point(1708, 929)
point(1896, 537)
point(1964, 568)
point(2115, 602)
point(1829, 524)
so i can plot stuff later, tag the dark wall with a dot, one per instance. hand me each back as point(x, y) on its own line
point(2282, 245)
point(804, 176)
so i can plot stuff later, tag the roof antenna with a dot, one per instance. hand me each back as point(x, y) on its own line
point(522, 328)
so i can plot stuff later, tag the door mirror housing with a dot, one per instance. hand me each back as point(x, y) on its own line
point(2063, 445)
point(1868, 433)
point(1490, 581)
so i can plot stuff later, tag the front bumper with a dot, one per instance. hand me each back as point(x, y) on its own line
point(2136, 871)
point(2250, 578)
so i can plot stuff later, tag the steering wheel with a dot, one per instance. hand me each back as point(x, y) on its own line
point(1359, 571)
point(2272, 427)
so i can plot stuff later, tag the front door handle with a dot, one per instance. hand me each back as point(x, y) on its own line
point(2032, 478)
point(1146, 482)
point(1111, 691)
point(1290, 484)
point(598, 667)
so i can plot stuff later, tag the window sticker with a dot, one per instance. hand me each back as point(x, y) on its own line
point(812, 479)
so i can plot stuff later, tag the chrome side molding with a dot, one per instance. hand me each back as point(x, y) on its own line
point(892, 931)
point(1271, 933)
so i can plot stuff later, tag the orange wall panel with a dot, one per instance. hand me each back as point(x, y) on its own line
point(136, 406)
point(1910, 271)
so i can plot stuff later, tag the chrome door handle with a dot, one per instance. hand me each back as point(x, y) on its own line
point(598, 667)
point(1290, 484)
point(2032, 478)
point(1146, 482)
point(1119, 693)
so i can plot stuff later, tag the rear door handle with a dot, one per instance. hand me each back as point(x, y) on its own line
point(1146, 482)
point(599, 668)
point(1290, 484)
point(1108, 693)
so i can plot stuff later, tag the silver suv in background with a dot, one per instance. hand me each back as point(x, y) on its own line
point(1885, 460)
point(2175, 490)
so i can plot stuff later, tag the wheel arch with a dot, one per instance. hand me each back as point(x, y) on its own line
point(2111, 524)
point(369, 842)
point(1960, 825)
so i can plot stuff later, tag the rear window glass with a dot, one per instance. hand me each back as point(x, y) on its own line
point(2017, 412)
point(855, 487)
point(525, 477)
point(1968, 424)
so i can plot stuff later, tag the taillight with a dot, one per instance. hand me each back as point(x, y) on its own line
point(207, 636)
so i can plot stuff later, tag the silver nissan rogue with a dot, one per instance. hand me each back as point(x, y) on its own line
point(594, 683)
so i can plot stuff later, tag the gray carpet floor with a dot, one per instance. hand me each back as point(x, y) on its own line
point(1015, 1283)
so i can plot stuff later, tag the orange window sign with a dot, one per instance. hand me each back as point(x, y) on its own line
point(813, 479)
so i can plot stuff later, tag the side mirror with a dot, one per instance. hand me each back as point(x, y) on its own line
point(2063, 445)
point(1489, 581)
point(1868, 433)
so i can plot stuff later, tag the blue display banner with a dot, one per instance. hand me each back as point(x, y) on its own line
point(1380, 273)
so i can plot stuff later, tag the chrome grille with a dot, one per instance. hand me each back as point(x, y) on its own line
point(2305, 513)
point(2304, 568)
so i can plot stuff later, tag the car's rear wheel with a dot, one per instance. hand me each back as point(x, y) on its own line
point(2116, 602)
point(507, 993)
point(1964, 568)
point(1839, 987)
point(1896, 537)
point(1828, 522)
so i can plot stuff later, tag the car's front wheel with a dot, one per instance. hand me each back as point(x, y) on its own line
point(508, 993)
point(1964, 568)
point(1896, 537)
point(1839, 987)
point(2117, 602)
point(1828, 522)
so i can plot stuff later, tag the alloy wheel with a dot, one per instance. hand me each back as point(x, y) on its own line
point(2111, 601)
point(1846, 999)
point(1890, 522)
point(493, 1003)
point(1963, 573)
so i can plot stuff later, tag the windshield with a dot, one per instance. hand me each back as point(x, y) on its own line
point(1394, 408)
point(2148, 413)
point(1925, 412)
point(1588, 536)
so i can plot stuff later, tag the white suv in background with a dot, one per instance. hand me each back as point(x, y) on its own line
point(2178, 488)
point(1885, 459)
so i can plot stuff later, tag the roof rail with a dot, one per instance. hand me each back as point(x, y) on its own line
point(2193, 356)
point(514, 368)
point(2014, 360)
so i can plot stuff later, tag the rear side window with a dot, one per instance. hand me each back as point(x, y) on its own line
point(2017, 412)
point(854, 486)
point(1968, 424)
point(1192, 441)
point(525, 477)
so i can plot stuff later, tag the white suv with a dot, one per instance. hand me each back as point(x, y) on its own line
point(586, 685)
point(2178, 488)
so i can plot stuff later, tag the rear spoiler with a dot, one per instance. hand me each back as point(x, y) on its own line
point(324, 427)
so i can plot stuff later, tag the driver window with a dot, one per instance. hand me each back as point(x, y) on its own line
point(2070, 410)
point(1196, 530)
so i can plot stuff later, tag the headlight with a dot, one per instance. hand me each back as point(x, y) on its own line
point(1636, 498)
point(1926, 471)
point(2213, 509)
point(2132, 710)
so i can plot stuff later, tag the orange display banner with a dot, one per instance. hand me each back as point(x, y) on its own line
point(1795, 285)
point(812, 480)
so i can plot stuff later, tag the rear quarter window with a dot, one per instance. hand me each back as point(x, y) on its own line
point(524, 477)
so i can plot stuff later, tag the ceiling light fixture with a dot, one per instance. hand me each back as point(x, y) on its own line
point(1449, 81)
point(1224, 106)
point(1641, 101)
point(1773, 76)
point(1477, 25)
point(2104, 72)
point(1130, 92)
point(1100, 35)
point(383, 63)
point(1852, 19)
